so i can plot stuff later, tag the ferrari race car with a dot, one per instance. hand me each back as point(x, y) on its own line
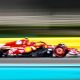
point(25, 48)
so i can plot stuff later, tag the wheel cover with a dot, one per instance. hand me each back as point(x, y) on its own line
point(59, 51)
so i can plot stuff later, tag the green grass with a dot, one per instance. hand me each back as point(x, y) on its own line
point(31, 35)
point(32, 26)
point(15, 31)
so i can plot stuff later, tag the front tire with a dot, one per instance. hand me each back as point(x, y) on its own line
point(60, 51)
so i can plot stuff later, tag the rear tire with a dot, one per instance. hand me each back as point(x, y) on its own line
point(1, 53)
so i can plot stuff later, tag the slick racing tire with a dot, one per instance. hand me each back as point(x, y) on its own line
point(60, 51)
point(1, 53)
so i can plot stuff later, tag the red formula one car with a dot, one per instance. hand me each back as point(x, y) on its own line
point(25, 48)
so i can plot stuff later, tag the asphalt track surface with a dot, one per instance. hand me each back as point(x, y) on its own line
point(39, 60)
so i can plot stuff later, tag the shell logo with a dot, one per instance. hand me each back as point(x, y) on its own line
point(28, 49)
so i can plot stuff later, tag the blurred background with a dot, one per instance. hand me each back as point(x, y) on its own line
point(35, 18)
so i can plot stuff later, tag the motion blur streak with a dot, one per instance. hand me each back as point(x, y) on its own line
point(39, 12)
point(65, 62)
point(40, 73)
point(39, 7)
point(45, 20)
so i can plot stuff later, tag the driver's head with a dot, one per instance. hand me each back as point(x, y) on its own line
point(25, 41)
point(26, 38)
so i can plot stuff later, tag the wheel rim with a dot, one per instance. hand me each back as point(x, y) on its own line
point(59, 51)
